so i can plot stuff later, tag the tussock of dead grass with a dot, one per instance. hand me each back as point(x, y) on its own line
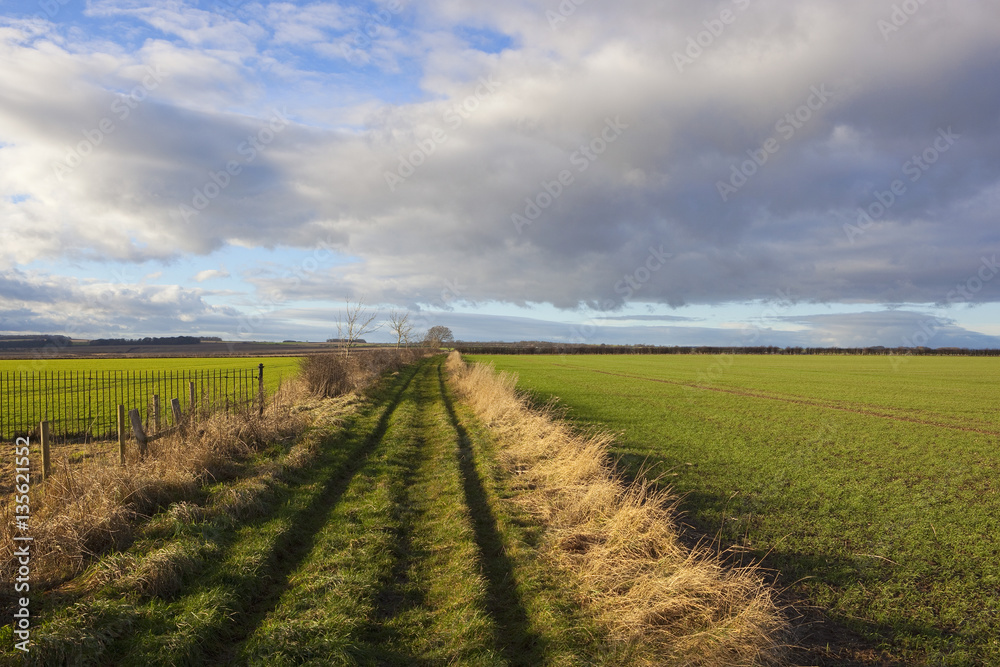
point(681, 606)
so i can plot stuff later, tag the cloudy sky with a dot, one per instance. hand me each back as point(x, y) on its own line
point(733, 172)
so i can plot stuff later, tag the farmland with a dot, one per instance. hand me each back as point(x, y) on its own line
point(869, 486)
point(275, 367)
point(80, 395)
point(379, 539)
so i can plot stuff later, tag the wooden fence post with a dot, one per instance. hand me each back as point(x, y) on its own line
point(46, 463)
point(156, 413)
point(121, 435)
point(140, 435)
point(175, 407)
point(260, 390)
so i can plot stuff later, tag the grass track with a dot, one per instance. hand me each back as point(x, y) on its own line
point(873, 491)
point(395, 548)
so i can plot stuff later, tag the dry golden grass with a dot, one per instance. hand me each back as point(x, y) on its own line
point(681, 606)
point(84, 510)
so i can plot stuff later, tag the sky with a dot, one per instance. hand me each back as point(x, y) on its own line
point(741, 172)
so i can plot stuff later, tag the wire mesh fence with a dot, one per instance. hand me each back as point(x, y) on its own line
point(82, 405)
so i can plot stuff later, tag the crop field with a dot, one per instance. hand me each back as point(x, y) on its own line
point(274, 367)
point(870, 486)
point(79, 396)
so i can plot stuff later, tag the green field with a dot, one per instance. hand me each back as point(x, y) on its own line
point(274, 367)
point(870, 487)
point(392, 545)
point(78, 396)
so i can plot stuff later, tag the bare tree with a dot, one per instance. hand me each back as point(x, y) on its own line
point(355, 322)
point(437, 335)
point(399, 322)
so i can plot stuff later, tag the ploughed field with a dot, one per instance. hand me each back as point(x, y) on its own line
point(868, 484)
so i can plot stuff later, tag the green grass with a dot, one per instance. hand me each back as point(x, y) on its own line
point(394, 546)
point(871, 488)
point(80, 402)
point(274, 367)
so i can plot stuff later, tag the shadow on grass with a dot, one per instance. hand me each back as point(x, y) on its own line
point(380, 642)
point(514, 639)
point(818, 636)
point(308, 523)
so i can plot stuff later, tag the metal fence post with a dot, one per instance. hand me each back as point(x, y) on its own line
point(156, 413)
point(46, 462)
point(121, 435)
point(260, 390)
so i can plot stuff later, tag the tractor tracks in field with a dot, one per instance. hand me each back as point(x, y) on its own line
point(444, 486)
point(439, 538)
point(796, 400)
point(514, 638)
point(309, 523)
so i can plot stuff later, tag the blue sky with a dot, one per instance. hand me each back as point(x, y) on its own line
point(736, 172)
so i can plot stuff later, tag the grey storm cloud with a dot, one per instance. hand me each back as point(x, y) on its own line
point(800, 146)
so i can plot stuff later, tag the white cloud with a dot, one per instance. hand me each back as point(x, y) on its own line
point(551, 95)
point(211, 274)
point(36, 302)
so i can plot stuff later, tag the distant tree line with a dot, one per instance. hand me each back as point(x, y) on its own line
point(535, 347)
point(167, 340)
point(16, 342)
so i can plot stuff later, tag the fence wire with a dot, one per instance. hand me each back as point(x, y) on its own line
point(82, 405)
